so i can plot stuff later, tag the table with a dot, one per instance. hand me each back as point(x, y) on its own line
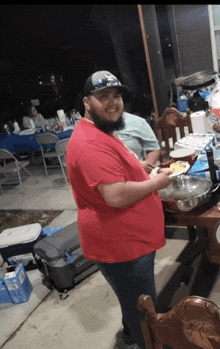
point(204, 219)
point(15, 143)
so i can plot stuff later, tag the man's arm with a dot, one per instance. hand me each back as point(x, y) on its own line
point(123, 194)
point(41, 119)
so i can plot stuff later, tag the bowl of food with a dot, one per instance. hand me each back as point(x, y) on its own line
point(178, 168)
point(187, 192)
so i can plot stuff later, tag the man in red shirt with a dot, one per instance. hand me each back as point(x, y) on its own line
point(120, 215)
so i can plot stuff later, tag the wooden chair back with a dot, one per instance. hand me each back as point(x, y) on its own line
point(193, 323)
point(168, 125)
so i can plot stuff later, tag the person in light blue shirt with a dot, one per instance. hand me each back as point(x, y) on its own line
point(213, 124)
point(138, 136)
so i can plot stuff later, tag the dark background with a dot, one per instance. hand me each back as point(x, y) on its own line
point(71, 42)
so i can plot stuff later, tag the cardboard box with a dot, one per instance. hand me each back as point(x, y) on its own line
point(17, 283)
point(4, 294)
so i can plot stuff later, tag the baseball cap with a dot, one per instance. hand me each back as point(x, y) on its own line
point(100, 80)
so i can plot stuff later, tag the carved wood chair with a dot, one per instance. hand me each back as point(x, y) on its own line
point(168, 126)
point(193, 323)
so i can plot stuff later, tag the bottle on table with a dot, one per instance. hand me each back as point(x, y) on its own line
point(212, 166)
point(16, 127)
point(6, 127)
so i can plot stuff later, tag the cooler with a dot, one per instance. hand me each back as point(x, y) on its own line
point(19, 241)
point(61, 260)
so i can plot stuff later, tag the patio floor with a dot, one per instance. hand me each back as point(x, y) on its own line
point(89, 317)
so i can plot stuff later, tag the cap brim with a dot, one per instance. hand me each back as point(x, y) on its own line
point(121, 88)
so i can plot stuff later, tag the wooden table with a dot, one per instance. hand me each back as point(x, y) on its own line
point(205, 220)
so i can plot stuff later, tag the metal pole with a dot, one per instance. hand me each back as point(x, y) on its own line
point(148, 60)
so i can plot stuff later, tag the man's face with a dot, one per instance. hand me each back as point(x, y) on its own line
point(106, 108)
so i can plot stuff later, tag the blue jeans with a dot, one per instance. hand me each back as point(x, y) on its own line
point(129, 280)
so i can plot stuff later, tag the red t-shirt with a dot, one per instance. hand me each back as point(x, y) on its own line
point(109, 234)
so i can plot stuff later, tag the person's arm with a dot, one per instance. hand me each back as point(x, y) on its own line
point(150, 146)
point(41, 119)
point(213, 123)
point(150, 160)
point(123, 194)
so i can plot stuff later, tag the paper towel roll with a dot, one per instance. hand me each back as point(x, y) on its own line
point(198, 120)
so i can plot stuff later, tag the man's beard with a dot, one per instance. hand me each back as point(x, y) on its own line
point(107, 126)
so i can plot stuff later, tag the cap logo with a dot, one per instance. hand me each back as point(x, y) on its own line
point(107, 79)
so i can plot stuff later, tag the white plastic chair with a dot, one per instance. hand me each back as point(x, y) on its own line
point(12, 166)
point(60, 148)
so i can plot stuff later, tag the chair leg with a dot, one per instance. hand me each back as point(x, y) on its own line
point(25, 169)
point(45, 166)
point(61, 165)
point(19, 176)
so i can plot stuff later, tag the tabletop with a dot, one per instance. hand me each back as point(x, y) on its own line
point(15, 143)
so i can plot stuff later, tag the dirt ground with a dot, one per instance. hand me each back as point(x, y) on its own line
point(16, 218)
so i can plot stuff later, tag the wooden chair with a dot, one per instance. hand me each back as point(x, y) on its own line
point(193, 323)
point(168, 126)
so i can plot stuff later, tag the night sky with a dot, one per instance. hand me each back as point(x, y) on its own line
point(70, 41)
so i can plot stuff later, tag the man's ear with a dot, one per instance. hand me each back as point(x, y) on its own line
point(86, 103)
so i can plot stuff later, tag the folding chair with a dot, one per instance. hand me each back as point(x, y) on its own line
point(47, 143)
point(60, 148)
point(12, 166)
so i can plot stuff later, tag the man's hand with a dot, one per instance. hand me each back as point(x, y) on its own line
point(163, 179)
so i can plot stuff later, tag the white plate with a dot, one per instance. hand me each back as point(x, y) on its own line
point(182, 153)
point(174, 175)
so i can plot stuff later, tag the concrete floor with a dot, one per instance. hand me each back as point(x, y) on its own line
point(89, 317)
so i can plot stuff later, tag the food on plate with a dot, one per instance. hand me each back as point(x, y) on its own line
point(175, 167)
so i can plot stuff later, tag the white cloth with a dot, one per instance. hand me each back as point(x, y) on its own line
point(29, 122)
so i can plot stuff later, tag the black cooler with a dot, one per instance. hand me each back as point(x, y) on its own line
point(61, 261)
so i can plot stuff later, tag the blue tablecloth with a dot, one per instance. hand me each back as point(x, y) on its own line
point(15, 143)
point(201, 166)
